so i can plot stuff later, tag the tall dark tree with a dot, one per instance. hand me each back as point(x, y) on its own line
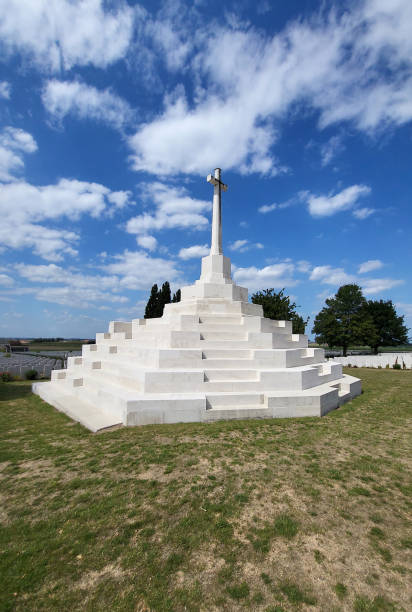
point(390, 327)
point(277, 306)
point(165, 297)
point(345, 320)
point(177, 296)
point(157, 300)
point(152, 306)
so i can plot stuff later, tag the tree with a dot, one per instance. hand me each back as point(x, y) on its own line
point(152, 305)
point(345, 320)
point(165, 295)
point(278, 306)
point(390, 328)
point(177, 296)
point(157, 300)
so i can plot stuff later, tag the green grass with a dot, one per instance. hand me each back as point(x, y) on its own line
point(69, 345)
point(341, 590)
point(266, 515)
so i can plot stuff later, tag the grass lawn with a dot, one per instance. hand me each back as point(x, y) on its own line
point(271, 515)
point(69, 345)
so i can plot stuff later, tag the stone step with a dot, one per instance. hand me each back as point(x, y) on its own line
point(233, 386)
point(224, 353)
point(87, 413)
point(229, 364)
point(221, 319)
point(67, 379)
point(257, 364)
point(253, 411)
point(101, 377)
point(289, 341)
point(206, 345)
point(211, 336)
point(234, 399)
point(109, 396)
point(150, 381)
point(237, 374)
point(219, 328)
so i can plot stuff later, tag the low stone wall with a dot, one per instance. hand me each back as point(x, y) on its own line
point(374, 361)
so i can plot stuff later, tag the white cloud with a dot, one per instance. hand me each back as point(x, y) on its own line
point(378, 285)
point(330, 149)
point(301, 196)
point(147, 242)
point(324, 295)
point(325, 206)
point(63, 98)
point(182, 141)
point(173, 42)
point(58, 34)
point(195, 251)
point(406, 310)
point(277, 276)
point(244, 245)
point(368, 266)
point(69, 286)
point(69, 198)
point(363, 213)
point(139, 271)
point(79, 297)
point(173, 208)
point(13, 143)
point(6, 281)
point(328, 275)
point(23, 206)
point(238, 245)
point(303, 266)
point(5, 90)
point(323, 63)
point(18, 139)
point(267, 208)
point(53, 274)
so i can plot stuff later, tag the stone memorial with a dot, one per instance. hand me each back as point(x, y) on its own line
point(210, 356)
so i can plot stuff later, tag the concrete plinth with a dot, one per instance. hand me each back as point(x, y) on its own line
point(206, 359)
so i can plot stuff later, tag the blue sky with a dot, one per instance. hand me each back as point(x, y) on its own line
point(113, 113)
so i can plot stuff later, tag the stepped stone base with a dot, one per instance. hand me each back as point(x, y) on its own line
point(211, 356)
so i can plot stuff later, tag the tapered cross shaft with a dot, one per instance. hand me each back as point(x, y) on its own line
point(214, 179)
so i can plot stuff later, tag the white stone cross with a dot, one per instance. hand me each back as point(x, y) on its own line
point(216, 246)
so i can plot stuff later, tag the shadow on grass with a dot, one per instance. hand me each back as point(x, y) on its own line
point(14, 390)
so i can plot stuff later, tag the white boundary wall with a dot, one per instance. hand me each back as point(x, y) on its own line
point(374, 361)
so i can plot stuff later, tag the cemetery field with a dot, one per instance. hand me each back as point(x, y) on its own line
point(69, 345)
point(270, 515)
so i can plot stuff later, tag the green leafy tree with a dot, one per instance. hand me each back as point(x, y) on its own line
point(345, 320)
point(390, 327)
point(276, 305)
point(177, 296)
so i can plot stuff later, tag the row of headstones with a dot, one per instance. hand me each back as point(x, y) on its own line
point(18, 365)
point(375, 361)
point(26, 359)
point(6, 364)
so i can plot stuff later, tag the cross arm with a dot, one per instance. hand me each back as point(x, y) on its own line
point(212, 179)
